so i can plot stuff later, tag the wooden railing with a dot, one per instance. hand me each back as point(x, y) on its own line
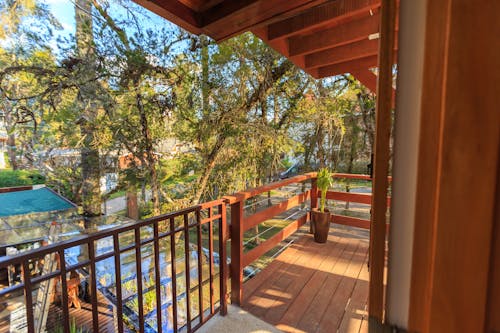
point(157, 239)
point(241, 223)
point(361, 198)
point(194, 227)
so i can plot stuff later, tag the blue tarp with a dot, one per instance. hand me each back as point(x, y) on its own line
point(31, 201)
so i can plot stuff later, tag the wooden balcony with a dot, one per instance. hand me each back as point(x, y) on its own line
point(312, 287)
point(140, 270)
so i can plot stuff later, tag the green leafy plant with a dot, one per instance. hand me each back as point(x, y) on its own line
point(324, 182)
point(9, 178)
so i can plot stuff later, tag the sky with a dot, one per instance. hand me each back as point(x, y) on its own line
point(64, 12)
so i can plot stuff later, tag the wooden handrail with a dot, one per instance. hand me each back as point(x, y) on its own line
point(357, 176)
point(250, 193)
point(362, 198)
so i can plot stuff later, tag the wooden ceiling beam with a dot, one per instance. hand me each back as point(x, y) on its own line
point(367, 78)
point(231, 18)
point(176, 12)
point(280, 45)
point(328, 13)
point(224, 9)
point(343, 53)
point(348, 67)
point(340, 35)
point(200, 5)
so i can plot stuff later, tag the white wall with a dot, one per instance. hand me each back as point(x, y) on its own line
point(407, 125)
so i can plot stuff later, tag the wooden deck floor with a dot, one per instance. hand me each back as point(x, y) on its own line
point(83, 317)
point(313, 287)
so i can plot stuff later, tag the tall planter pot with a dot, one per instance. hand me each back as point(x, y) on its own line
point(321, 225)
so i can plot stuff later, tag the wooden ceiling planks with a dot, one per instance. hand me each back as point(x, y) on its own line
point(344, 53)
point(200, 5)
point(176, 12)
point(348, 66)
point(351, 32)
point(222, 22)
point(321, 16)
point(323, 37)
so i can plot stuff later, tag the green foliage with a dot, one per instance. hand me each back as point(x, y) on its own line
point(7, 161)
point(238, 107)
point(324, 182)
point(11, 178)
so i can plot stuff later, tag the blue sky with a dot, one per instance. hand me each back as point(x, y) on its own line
point(64, 11)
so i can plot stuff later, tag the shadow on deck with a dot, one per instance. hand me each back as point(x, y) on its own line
point(313, 287)
point(82, 318)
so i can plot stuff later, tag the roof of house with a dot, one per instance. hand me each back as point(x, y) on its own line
point(32, 201)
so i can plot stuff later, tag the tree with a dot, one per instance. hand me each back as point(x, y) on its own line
point(231, 90)
point(86, 101)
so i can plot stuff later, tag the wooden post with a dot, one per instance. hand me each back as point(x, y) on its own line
point(314, 201)
point(132, 207)
point(223, 259)
point(381, 161)
point(236, 252)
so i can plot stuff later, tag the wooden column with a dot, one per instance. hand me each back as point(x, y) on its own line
point(381, 161)
point(237, 252)
point(459, 159)
point(132, 206)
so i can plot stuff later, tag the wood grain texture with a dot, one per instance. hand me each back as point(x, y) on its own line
point(236, 252)
point(349, 52)
point(427, 177)
point(470, 134)
point(313, 287)
point(176, 12)
point(381, 159)
point(332, 12)
point(350, 32)
point(355, 65)
point(452, 293)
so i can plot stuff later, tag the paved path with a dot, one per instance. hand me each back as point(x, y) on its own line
point(116, 205)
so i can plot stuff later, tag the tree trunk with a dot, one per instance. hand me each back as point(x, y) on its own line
point(207, 171)
point(11, 140)
point(91, 196)
point(150, 156)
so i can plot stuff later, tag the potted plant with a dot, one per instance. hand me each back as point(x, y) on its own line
point(321, 216)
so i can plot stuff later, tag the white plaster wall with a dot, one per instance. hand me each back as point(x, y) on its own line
point(407, 125)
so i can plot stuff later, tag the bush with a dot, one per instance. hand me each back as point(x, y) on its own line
point(10, 178)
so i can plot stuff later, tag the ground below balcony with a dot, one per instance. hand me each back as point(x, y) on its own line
point(313, 287)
